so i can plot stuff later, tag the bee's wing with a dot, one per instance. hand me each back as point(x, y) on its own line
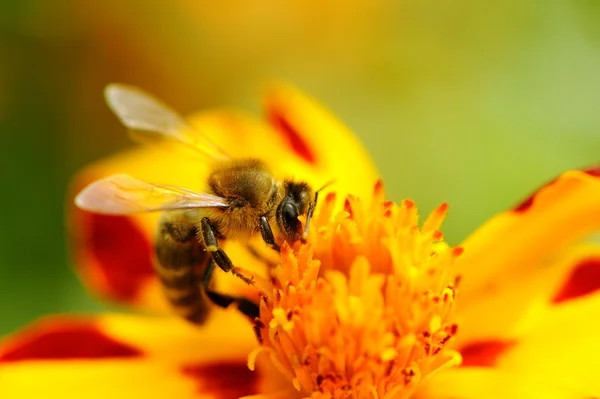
point(149, 118)
point(123, 194)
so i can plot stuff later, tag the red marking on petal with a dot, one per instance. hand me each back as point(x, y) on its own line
point(583, 280)
point(224, 380)
point(122, 251)
point(66, 341)
point(593, 171)
point(484, 353)
point(528, 202)
point(290, 133)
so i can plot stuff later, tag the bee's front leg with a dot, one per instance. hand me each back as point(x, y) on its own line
point(218, 255)
point(267, 234)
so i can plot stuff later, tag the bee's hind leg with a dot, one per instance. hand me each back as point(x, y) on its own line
point(218, 255)
point(245, 306)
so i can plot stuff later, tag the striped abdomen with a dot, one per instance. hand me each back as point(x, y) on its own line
point(181, 262)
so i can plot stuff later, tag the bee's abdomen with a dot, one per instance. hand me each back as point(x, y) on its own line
point(181, 261)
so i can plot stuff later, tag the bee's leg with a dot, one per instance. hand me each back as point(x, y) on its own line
point(218, 255)
point(245, 306)
point(309, 214)
point(267, 234)
point(208, 272)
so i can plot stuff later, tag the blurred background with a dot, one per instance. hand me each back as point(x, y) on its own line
point(474, 103)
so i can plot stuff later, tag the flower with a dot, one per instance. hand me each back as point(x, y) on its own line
point(367, 307)
point(373, 305)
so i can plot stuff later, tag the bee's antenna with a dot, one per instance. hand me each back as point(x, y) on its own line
point(311, 209)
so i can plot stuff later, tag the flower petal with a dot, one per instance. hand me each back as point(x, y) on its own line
point(300, 139)
point(520, 302)
point(563, 348)
point(583, 280)
point(561, 352)
point(65, 338)
point(488, 383)
point(320, 140)
point(484, 353)
point(126, 356)
point(521, 240)
point(127, 379)
point(555, 345)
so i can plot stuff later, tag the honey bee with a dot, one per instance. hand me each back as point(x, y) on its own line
point(242, 198)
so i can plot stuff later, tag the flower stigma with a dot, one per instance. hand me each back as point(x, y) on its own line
point(365, 308)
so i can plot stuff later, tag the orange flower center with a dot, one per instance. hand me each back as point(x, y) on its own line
point(364, 309)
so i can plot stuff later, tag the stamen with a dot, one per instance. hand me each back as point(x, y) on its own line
point(365, 307)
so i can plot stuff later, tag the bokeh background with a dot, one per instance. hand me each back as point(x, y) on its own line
point(474, 103)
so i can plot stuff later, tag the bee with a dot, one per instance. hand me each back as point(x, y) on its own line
point(242, 199)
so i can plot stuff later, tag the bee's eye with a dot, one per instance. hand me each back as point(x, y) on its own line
point(289, 214)
point(287, 220)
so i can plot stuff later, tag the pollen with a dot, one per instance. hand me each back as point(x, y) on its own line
point(363, 309)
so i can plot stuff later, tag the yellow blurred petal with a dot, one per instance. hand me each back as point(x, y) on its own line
point(107, 379)
point(523, 239)
point(128, 356)
point(243, 135)
point(226, 334)
point(515, 306)
point(563, 348)
point(299, 139)
point(322, 140)
point(169, 339)
point(490, 383)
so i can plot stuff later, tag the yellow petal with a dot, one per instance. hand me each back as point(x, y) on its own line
point(127, 356)
point(321, 140)
point(111, 379)
point(512, 308)
point(523, 239)
point(563, 348)
point(489, 383)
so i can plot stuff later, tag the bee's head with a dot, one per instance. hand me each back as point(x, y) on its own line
point(294, 203)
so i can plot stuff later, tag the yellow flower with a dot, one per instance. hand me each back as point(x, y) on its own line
point(366, 309)
point(374, 305)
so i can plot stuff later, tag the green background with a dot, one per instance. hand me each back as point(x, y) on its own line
point(474, 103)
